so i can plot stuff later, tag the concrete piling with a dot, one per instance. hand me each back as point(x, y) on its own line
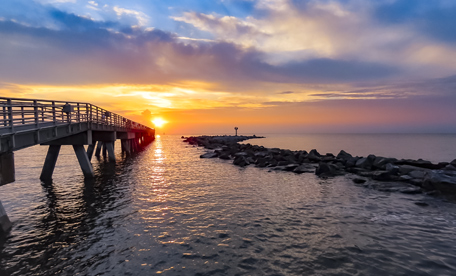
point(110, 149)
point(83, 159)
point(49, 162)
point(98, 150)
point(7, 174)
point(5, 223)
point(90, 150)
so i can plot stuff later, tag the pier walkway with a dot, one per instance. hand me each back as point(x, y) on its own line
point(29, 122)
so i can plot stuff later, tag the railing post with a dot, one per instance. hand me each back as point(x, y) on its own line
point(53, 113)
point(79, 114)
point(10, 114)
point(42, 114)
point(22, 114)
point(35, 109)
point(5, 123)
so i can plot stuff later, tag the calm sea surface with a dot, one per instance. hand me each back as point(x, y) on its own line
point(166, 211)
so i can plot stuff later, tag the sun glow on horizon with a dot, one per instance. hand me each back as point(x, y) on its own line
point(159, 122)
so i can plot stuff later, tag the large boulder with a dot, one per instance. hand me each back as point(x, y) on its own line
point(381, 176)
point(225, 156)
point(314, 156)
point(392, 169)
point(304, 168)
point(440, 180)
point(381, 162)
point(453, 162)
point(327, 169)
point(240, 161)
point(351, 162)
point(366, 162)
point(417, 174)
point(406, 169)
point(261, 162)
point(343, 155)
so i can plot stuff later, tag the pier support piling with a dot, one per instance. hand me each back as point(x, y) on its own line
point(98, 150)
point(5, 223)
point(49, 162)
point(104, 149)
point(84, 162)
point(90, 150)
point(110, 149)
point(7, 174)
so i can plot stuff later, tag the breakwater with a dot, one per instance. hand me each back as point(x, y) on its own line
point(389, 174)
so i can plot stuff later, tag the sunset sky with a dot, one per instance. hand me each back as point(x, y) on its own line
point(266, 66)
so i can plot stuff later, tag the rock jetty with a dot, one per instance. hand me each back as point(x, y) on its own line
point(404, 175)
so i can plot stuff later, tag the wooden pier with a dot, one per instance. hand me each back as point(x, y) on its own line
point(29, 122)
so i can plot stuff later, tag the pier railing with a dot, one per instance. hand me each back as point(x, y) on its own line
point(18, 114)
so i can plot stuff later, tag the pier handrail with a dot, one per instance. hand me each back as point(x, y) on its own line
point(36, 113)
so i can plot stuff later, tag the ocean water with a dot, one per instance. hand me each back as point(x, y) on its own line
point(432, 147)
point(166, 211)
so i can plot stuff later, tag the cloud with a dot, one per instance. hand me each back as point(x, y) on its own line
point(142, 18)
point(285, 92)
point(293, 31)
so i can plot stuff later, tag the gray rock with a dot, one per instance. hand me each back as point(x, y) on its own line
point(343, 155)
point(328, 159)
point(291, 167)
point(416, 182)
point(405, 178)
point(209, 155)
point(417, 174)
point(240, 161)
point(314, 156)
point(450, 168)
point(272, 163)
point(381, 162)
point(261, 162)
point(323, 168)
point(392, 169)
point(438, 180)
point(453, 162)
point(381, 175)
point(250, 160)
point(225, 156)
point(366, 163)
point(304, 169)
point(326, 169)
point(261, 154)
point(406, 169)
point(282, 163)
point(351, 162)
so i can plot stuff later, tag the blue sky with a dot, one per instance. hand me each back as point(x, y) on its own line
point(241, 55)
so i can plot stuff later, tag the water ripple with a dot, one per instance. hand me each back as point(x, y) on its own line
point(166, 211)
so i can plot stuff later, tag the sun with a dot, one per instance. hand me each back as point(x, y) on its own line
point(159, 122)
